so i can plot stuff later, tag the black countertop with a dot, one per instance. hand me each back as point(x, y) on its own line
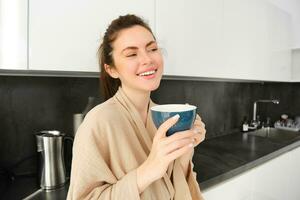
point(28, 188)
point(57, 194)
point(215, 160)
point(221, 158)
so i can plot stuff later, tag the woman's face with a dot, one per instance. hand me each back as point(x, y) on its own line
point(138, 61)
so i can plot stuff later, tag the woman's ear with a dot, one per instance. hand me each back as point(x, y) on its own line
point(111, 71)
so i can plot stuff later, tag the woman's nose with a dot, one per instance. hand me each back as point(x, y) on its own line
point(145, 58)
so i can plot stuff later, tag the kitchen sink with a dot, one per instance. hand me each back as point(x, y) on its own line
point(275, 134)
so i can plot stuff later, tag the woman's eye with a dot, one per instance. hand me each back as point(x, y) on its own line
point(131, 55)
point(153, 49)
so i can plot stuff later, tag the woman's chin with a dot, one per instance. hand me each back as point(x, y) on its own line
point(149, 85)
point(153, 87)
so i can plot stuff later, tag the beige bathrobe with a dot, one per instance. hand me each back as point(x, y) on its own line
point(109, 145)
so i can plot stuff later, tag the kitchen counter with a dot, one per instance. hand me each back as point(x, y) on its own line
point(215, 160)
point(221, 158)
point(58, 194)
point(28, 188)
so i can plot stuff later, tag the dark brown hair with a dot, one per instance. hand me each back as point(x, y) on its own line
point(110, 85)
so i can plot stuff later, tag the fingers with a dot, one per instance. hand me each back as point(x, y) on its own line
point(198, 121)
point(199, 127)
point(200, 136)
point(164, 127)
point(178, 136)
point(197, 132)
point(178, 144)
point(179, 152)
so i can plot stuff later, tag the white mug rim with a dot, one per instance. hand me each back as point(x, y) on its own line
point(173, 108)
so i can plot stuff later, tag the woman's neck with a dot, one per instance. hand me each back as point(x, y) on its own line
point(140, 101)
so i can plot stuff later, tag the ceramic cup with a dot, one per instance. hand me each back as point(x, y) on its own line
point(161, 113)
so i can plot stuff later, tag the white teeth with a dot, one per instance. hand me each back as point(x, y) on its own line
point(147, 73)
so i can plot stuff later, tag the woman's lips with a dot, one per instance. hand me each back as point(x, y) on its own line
point(147, 70)
point(148, 74)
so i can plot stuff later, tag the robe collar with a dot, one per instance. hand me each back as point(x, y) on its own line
point(146, 133)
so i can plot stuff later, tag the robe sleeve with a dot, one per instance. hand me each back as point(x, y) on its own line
point(91, 176)
point(193, 184)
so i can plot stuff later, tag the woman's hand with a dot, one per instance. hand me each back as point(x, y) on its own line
point(164, 150)
point(199, 129)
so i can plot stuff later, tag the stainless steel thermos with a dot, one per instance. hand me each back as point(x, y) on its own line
point(52, 167)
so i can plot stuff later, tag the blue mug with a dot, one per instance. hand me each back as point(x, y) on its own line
point(187, 113)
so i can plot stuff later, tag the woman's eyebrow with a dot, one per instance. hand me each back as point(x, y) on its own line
point(134, 48)
point(151, 42)
point(129, 48)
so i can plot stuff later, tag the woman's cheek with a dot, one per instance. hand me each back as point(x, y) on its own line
point(160, 63)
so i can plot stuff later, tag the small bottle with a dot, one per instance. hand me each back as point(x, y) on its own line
point(284, 118)
point(268, 122)
point(245, 125)
point(258, 121)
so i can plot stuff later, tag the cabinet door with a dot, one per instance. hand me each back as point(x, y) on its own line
point(280, 35)
point(296, 65)
point(292, 7)
point(294, 172)
point(236, 188)
point(13, 34)
point(65, 35)
point(190, 32)
point(271, 179)
point(246, 48)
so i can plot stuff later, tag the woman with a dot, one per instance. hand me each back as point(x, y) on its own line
point(118, 153)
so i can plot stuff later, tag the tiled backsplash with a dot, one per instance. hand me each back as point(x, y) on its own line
point(31, 104)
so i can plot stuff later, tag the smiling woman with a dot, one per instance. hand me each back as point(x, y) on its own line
point(137, 61)
point(133, 46)
point(118, 153)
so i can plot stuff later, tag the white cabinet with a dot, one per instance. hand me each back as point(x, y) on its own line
point(279, 178)
point(296, 65)
point(271, 179)
point(234, 39)
point(276, 179)
point(294, 172)
point(293, 8)
point(13, 34)
point(247, 39)
point(246, 51)
point(280, 44)
point(65, 35)
point(237, 188)
point(191, 34)
point(257, 41)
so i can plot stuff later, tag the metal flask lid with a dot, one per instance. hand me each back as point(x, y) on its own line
point(46, 133)
point(51, 133)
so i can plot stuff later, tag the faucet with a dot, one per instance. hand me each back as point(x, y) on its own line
point(254, 123)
